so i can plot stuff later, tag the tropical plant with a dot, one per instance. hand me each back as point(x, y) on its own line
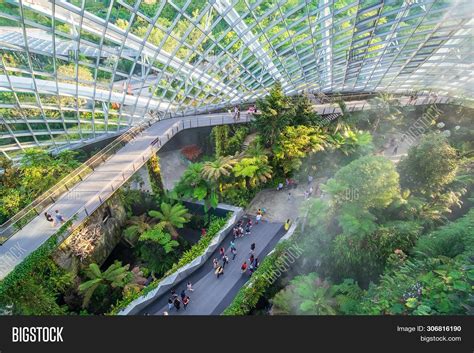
point(429, 166)
point(274, 115)
point(193, 185)
point(215, 170)
point(171, 217)
point(158, 236)
point(254, 170)
point(116, 276)
point(137, 226)
point(294, 143)
point(305, 295)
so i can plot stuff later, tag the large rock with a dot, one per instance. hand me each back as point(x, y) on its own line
point(111, 217)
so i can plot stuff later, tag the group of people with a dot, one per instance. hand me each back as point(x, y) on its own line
point(240, 229)
point(252, 110)
point(176, 300)
point(58, 218)
point(249, 266)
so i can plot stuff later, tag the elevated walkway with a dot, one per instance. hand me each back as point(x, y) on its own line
point(86, 196)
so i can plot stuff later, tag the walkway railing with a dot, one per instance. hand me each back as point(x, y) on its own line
point(42, 202)
point(17, 222)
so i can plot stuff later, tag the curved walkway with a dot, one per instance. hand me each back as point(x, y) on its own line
point(86, 196)
point(212, 295)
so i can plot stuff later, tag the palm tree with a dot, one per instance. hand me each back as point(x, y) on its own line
point(219, 168)
point(116, 276)
point(171, 217)
point(255, 170)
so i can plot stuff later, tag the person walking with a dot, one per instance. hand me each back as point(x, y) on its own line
point(183, 294)
point(185, 302)
point(287, 225)
point(235, 232)
point(173, 294)
point(249, 223)
point(232, 245)
point(189, 286)
point(252, 247)
point(247, 230)
point(177, 303)
point(243, 268)
point(241, 232)
point(280, 186)
point(170, 303)
point(59, 217)
point(306, 194)
point(234, 253)
point(289, 196)
point(225, 260)
point(311, 190)
point(49, 218)
point(258, 218)
point(310, 179)
point(256, 263)
point(252, 259)
point(219, 271)
point(215, 263)
point(222, 251)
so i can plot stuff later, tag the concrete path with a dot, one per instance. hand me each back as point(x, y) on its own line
point(97, 187)
point(212, 295)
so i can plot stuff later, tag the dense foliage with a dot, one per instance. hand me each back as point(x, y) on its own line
point(37, 171)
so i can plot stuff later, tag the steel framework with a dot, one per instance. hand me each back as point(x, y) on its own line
point(75, 71)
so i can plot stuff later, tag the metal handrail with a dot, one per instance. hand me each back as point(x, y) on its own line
point(15, 223)
point(81, 215)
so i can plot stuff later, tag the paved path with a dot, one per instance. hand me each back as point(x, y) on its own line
point(212, 295)
point(98, 186)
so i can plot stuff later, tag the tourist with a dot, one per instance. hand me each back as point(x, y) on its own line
point(287, 225)
point(235, 232)
point(185, 302)
point(256, 263)
point(252, 248)
point(289, 196)
point(189, 286)
point(219, 271)
point(215, 263)
point(49, 218)
point(177, 303)
point(247, 230)
point(310, 179)
point(241, 232)
point(287, 181)
point(173, 294)
point(306, 194)
point(395, 150)
point(249, 223)
point(252, 258)
point(203, 232)
point(183, 294)
point(234, 253)
point(259, 216)
point(170, 303)
point(243, 268)
point(232, 245)
point(311, 190)
point(280, 186)
point(225, 260)
point(59, 218)
point(222, 251)
point(251, 269)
